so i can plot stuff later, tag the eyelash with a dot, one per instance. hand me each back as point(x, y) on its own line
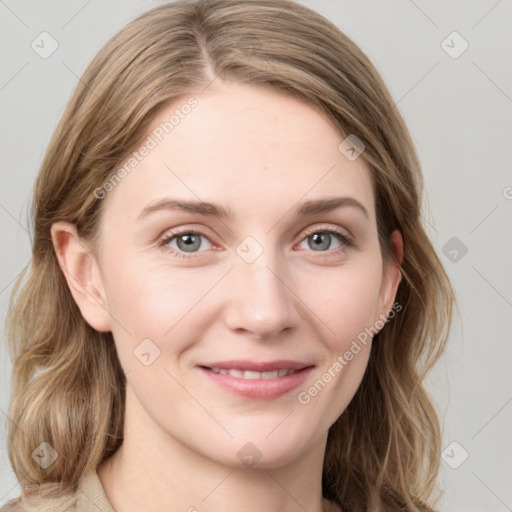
point(347, 240)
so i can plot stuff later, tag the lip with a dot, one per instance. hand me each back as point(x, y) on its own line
point(262, 389)
point(258, 366)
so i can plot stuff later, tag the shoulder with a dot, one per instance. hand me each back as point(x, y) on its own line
point(34, 502)
point(89, 496)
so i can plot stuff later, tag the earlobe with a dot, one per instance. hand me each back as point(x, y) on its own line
point(80, 269)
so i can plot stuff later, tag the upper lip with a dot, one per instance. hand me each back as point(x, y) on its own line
point(257, 366)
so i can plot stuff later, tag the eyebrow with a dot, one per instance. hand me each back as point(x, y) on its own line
point(304, 209)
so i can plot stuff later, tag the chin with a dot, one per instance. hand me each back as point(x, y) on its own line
point(259, 452)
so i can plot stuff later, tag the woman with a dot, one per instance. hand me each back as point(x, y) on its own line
point(232, 302)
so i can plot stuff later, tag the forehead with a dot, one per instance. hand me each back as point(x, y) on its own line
point(249, 147)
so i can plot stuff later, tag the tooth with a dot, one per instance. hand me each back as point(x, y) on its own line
point(236, 373)
point(252, 375)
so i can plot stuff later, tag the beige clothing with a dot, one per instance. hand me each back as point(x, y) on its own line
point(89, 497)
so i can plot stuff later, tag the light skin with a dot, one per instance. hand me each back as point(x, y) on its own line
point(306, 297)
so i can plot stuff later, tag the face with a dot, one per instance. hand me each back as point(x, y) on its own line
point(236, 328)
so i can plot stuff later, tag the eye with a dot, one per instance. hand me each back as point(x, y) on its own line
point(319, 240)
point(185, 242)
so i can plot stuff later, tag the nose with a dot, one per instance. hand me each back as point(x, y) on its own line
point(260, 299)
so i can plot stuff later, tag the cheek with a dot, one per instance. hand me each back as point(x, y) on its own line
point(172, 307)
point(348, 307)
point(149, 301)
point(346, 300)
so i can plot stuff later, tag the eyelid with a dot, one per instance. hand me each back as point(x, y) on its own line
point(344, 232)
point(346, 239)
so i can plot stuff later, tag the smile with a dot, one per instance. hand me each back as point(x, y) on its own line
point(257, 379)
point(250, 374)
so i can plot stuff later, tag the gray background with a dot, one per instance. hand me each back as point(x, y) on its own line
point(458, 111)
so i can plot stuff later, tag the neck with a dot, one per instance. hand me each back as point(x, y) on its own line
point(153, 471)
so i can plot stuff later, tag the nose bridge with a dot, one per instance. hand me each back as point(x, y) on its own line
point(261, 302)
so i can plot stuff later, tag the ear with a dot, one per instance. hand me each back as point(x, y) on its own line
point(391, 276)
point(82, 275)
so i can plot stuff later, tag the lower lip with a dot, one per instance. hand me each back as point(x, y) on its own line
point(262, 389)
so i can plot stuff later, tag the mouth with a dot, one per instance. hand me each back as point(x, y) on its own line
point(250, 374)
point(257, 379)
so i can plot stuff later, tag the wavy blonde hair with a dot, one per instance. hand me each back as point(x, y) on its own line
point(68, 385)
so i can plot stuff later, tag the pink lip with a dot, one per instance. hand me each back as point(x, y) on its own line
point(263, 389)
point(257, 366)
